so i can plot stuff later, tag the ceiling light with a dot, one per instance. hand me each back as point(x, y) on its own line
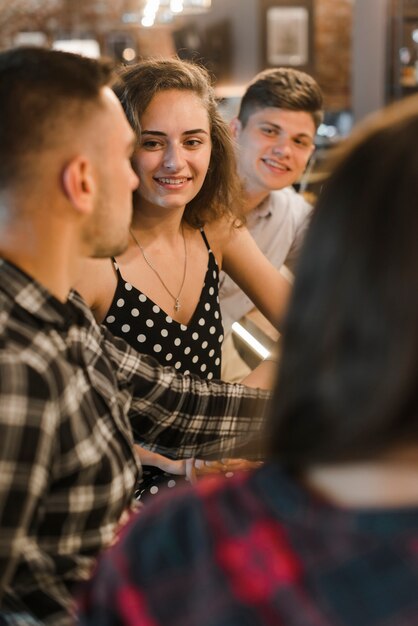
point(159, 11)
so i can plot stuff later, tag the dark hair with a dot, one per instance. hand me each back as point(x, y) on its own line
point(347, 386)
point(40, 90)
point(282, 88)
point(136, 87)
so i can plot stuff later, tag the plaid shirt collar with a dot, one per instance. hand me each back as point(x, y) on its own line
point(33, 297)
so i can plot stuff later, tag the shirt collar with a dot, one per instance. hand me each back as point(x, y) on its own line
point(262, 210)
point(31, 296)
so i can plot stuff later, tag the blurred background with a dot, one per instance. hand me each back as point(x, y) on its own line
point(362, 52)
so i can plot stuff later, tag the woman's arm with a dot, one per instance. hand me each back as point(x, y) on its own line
point(244, 262)
point(191, 468)
point(241, 258)
point(263, 376)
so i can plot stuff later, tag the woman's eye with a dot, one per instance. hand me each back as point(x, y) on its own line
point(193, 143)
point(151, 144)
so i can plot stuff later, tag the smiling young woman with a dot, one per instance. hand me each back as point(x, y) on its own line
point(161, 294)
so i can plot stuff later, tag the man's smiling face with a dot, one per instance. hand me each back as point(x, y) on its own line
point(273, 148)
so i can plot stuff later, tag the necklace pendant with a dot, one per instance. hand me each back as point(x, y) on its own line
point(177, 305)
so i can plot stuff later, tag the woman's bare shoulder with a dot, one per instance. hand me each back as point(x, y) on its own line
point(221, 232)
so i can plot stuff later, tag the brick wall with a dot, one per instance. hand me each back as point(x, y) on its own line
point(333, 35)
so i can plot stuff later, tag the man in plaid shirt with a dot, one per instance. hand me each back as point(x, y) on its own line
point(71, 394)
point(326, 532)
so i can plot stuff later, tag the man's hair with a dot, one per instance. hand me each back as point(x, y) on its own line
point(137, 86)
point(347, 387)
point(41, 91)
point(282, 88)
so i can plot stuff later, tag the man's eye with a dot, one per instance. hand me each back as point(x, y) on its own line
point(303, 143)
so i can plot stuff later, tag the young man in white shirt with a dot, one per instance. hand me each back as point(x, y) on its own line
point(274, 132)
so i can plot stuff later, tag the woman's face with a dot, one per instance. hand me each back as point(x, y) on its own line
point(174, 152)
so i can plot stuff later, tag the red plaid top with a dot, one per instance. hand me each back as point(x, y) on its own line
point(258, 550)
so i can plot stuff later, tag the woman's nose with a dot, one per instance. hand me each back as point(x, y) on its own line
point(173, 159)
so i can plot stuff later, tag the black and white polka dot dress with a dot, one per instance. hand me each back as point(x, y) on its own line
point(195, 348)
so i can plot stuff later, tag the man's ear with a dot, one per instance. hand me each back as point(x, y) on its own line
point(79, 184)
point(235, 126)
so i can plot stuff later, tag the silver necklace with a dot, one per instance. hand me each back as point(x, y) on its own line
point(177, 305)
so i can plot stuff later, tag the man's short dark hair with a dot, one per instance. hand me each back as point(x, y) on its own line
point(282, 88)
point(40, 90)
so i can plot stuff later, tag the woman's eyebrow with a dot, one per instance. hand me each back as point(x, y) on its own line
point(193, 131)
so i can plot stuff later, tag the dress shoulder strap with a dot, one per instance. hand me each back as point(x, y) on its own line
point(202, 232)
point(116, 267)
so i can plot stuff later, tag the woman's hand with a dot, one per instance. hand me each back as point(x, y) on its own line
point(192, 468)
point(239, 465)
point(184, 467)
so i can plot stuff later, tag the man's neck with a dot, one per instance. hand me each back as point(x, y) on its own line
point(42, 258)
point(254, 199)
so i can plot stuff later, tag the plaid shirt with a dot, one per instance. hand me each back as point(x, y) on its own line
point(70, 394)
point(258, 550)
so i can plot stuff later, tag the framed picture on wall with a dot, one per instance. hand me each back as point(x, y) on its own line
point(287, 36)
point(287, 28)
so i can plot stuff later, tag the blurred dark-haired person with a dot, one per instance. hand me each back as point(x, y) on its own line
point(274, 133)
point(326, 532)
point(70, 392)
